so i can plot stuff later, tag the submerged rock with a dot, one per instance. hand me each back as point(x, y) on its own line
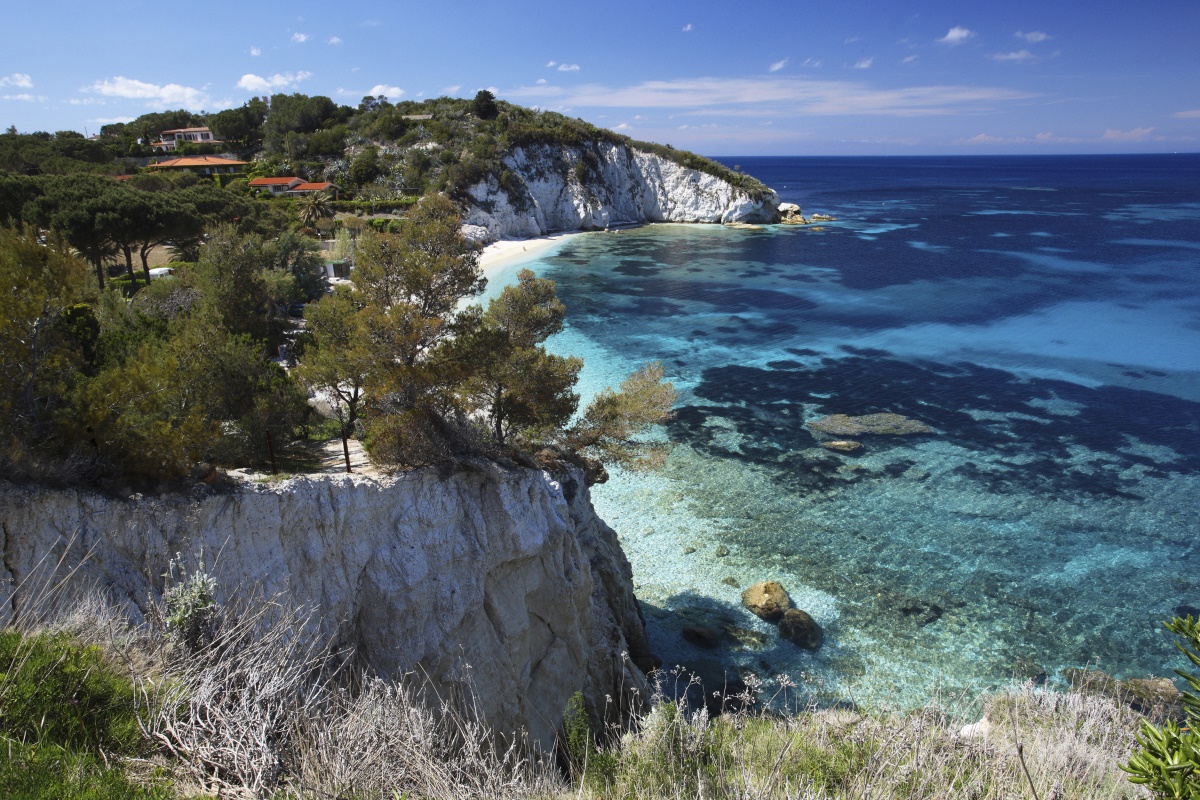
point(842, 445)
point(749, 639)
point(767, 600)
point(800, 628)
point(701, 636)
point(885, 424)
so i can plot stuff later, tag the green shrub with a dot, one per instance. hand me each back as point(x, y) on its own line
point(1167, 760)
point(191, 606)
point(59, 693)
point(64, 713)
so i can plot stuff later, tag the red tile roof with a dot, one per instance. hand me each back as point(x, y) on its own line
point(273, 181)
point(197, 161)
point(311, 187)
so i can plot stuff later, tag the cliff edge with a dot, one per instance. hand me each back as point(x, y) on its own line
point(503, 577)
point(550, 187)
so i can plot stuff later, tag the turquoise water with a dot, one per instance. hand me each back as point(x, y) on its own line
point(1041, 315)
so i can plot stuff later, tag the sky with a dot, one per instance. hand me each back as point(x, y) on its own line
point(866, 77)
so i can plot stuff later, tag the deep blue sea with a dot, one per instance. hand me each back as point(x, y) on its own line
point(1041, 314)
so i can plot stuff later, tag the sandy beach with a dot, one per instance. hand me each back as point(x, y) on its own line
point(505, 251)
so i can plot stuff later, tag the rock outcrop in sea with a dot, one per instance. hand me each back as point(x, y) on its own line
point(563, 188)
point(504, 578)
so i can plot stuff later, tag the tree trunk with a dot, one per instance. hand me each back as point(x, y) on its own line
point(144, 252)
point(346, 451)
point(129, 265)
point(271, 453)
point(99, 273)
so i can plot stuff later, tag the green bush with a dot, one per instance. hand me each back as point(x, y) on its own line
point(1167, 760)
point(65, 712)
point(56, 692)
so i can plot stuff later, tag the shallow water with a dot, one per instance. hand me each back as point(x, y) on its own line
point(1041, 315)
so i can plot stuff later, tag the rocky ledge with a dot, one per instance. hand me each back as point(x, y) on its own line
point(504, 578)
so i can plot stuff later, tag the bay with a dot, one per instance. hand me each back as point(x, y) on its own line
point(1041, 314)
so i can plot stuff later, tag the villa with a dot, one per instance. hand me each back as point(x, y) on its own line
point(169, 140)
point(293, 186)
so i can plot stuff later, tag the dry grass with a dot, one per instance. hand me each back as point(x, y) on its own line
point(269, 709)
point(1071, 744)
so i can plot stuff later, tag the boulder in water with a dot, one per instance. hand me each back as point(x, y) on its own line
point(767, 600)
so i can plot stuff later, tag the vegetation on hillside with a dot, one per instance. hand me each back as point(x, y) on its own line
point(100, 387)
point(378, 150)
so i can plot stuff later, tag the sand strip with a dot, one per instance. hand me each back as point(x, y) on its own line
point(498, 254)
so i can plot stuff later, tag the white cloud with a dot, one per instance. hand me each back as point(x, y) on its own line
point(811, 62)
point(390, 92)
point(1048, 137)
point(1020, 56)
point(687, 27)
point(775, 96)
point(540, 82)
point(25, 97)
point(111, 120)
point(624, 126)
point(256, 51)
point(452, 89)
point(908, 59)
point(299, 38)
point(18, 79)
point(551, 64)
point(957, 35)
point(1135, 135)
point(864, 63)
point(1033, 36)
point(568, 68)
point(778, 65)
point(87, 101)
point(335, 40)
point(280, 80)
point(170, 94)
point(1193, 114)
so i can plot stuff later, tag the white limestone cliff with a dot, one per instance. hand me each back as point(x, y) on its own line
point(622, 186)
point(506, 575)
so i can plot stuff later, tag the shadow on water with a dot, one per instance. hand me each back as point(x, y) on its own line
point(721, 644)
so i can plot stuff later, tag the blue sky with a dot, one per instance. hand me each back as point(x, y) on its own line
point(719, 78)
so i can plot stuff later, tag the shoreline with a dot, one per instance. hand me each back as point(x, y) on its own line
point(501, 253)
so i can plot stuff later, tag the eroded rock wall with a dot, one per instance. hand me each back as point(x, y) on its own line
point(619, 186)
point(506, 575)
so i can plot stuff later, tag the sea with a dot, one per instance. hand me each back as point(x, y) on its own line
point(1041, 315)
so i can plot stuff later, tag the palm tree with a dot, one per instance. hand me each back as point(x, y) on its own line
point(313, 207)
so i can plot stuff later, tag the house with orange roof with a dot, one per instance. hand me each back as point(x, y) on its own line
point(169, 140)
point(204, 165)
point(312, 188)
point(295, 187)
point(275, 186)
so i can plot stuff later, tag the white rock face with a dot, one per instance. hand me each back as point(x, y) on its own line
point(627, 186)
point(506, 575)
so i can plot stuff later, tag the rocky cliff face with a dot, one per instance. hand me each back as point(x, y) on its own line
point(505, 575)
point(545, 193)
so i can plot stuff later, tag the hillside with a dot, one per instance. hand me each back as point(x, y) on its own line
point(513, 171)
